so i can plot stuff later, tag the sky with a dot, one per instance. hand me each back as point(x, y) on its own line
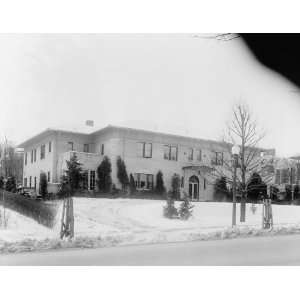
point(185, 84)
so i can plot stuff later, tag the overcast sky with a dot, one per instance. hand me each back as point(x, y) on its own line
point(171, 83)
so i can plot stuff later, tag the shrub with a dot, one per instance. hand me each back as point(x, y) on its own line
point(1, 182)
point(122, 173)
point(11, 185)
point(104, 175)
point(256, 187)
point(43, 185)
point(170, 211)
point(175, 191)
point(160, 188)
point(41, 212)
point(74, 173)
point(132, 186)
point(186, 208)
point(220, 188)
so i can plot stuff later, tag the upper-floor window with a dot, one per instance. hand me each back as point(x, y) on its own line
point(170, 152)
point(218, 158)
point(145, 150)
point(102, 149)
point(50, 147)
point(70, 146)
point(43, 148)
point(31, 156)
point(190, 154)
point(198, 154)
point(86, 148)
point(34, 155)
point(25, 158)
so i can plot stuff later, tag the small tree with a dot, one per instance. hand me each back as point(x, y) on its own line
point(122, 173)
point(186, 208)
point(104, 175)
point(256, 187)
point(43, 185)
point(170, 211)
point(74, 173)
point(160, 188)
point(220, 188)
point(11, 185)
point(175, 191)
point(1, 182)
point(132, 186)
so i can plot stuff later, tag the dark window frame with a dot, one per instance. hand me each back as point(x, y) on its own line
point(43, 151)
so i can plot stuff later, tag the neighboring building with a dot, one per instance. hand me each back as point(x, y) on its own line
point(11, 163)
point(287, 172)
point(144, 153)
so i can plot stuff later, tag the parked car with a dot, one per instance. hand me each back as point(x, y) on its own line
point(29, 192)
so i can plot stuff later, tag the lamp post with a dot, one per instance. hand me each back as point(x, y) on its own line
point(235, 153)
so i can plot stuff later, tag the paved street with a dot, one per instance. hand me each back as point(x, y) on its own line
point(282, 250)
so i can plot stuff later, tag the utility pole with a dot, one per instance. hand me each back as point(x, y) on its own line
point(235, 153)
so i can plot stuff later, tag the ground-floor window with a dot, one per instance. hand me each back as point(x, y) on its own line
point(30, 181)
point(25, 182)
point(48, 177)
point(85, 180)
point(35, 182)
point(143, 181)
point(92, 180)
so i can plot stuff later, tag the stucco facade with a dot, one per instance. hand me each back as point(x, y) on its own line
point(144, 153)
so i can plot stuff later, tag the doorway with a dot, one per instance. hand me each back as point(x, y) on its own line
point(194, 187)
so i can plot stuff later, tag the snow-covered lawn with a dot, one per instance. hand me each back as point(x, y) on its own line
point(129, 221)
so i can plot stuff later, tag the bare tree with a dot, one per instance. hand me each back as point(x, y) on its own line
point(243, 131)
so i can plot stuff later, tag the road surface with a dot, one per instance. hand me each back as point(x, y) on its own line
point(279, 250)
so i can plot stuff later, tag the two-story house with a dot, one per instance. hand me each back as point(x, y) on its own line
point(144, 153)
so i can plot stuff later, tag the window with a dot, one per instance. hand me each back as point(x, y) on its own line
point(144, 150)
point(198, 155)
point(50, 147)
point(204, 183)
point(173, 153)
point(43, 151)
point(30, 181)
point(143, 181)
point(25, 182)
point(70, 146)
point(48, 176)
point(25, 158)
point(86, 148)
point(102, 149)
point(277, 177)
point(35, 182)
point(92, 180)
point(284, 176)
point(218, 159)
point(293, 176)
point(170, 152)
point(190, 154)
point(182, 182)
point(31, 156)
point(34, 154)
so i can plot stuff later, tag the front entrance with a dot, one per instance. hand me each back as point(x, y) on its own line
point(194, 188)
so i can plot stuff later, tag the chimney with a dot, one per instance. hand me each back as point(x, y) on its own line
point(89, 123)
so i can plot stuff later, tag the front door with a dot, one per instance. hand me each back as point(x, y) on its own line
point(194, 188)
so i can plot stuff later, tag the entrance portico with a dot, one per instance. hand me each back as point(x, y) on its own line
point(194, 183)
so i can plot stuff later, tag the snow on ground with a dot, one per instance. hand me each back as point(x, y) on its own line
point(131, 221)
